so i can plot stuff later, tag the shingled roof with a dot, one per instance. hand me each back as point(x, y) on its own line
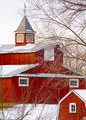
point(25, 26)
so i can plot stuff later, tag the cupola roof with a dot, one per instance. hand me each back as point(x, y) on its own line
point(25, 26)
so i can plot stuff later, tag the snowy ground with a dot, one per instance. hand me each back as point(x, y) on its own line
point(30, 112)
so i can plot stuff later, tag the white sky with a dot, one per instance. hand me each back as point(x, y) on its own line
point(9, 19)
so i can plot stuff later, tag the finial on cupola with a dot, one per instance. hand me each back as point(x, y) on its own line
point(25, 9)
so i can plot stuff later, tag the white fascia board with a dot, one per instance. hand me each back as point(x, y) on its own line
point(80, 96)
point(50, 75)
point(69, 94)
point(64, 51)
point(72, 70)
point(65, 96)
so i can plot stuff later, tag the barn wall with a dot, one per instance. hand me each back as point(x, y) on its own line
point(5, 90)
point(39, 56)
point(17, 58)
point(42, 90)
point(22, 94)
point(64, 108)
point(54, 67)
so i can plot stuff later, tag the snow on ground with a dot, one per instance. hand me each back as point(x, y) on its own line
point(30, 112)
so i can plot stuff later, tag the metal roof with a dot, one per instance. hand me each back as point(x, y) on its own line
point(25, 26)
point(14, 69)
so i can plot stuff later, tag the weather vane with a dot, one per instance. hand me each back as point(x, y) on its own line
point(25, 9)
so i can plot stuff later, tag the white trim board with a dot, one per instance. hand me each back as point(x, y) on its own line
point(50, 75)
point(74, 91)
point(72, 69)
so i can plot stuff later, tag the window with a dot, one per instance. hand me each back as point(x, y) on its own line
point(20, 37)
point(72, 107)
point(74, 83)
point(49, 54)
point(29, 38)
point(23, 81)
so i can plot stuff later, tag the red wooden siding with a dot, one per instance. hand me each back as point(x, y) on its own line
point(22, 94)
point(49, 66)
point(64, 108)
point(42, 90)
point(17, 58)
point(40, 56)
point(5, 90)
point(11, 59)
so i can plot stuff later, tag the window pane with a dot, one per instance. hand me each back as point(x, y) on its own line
point(72, 108)
point(20, 38)
point(29, 38)
point(23, 81)
point(73, 83)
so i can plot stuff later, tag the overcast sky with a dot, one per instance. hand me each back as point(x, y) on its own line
point(9, 19)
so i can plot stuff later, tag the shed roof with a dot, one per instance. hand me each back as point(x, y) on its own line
point(81, 93)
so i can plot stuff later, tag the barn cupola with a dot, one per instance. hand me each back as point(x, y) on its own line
point(24, 33)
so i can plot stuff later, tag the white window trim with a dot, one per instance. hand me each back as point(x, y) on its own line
point(74, 85)
point(24, 85)
point(70, 108)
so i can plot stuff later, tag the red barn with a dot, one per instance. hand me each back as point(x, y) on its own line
point(34, 72)
point(73, 106)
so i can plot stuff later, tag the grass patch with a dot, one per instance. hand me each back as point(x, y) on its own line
point(5, 105)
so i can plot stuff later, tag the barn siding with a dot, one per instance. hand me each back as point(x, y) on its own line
point(17, 58)
point(42, 90)
point(5, 90)
point(22, 94)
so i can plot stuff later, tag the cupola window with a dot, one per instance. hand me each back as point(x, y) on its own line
point(29, 38)
point(20, 37)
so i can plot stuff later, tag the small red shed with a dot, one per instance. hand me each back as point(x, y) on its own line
point(73, 105)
